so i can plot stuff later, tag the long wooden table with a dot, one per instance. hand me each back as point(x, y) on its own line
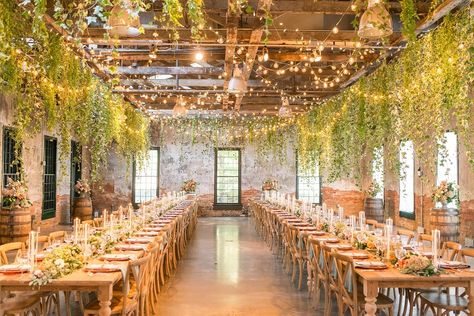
point(79, 280)
point(392, 278)
point(372, 280)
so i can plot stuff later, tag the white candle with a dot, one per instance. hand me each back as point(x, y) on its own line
point(362, 220)
point(352, 223)
point(436, 234)
point(105, 217)
point(76, 229)
point(388, 236)
point(340, 211)
point(130, 214)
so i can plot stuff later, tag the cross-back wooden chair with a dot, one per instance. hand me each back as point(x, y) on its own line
point(11, 250)
point(349, 295)
point(371, 222)
point(57, 236)
point(407, 235)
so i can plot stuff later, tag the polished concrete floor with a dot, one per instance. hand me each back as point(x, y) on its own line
point(229, 271)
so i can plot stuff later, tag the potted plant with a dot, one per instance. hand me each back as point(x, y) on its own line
point(15, 217)
point(374, 205)
point(189, 186)
point(83, 204)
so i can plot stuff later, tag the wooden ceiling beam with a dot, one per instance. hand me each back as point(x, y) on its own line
point(169, 70)
point(299, 93)
point(307, 6)
point(96, 36)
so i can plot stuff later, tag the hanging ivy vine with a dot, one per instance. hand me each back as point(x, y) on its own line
point(55, 88)
point(418, 96)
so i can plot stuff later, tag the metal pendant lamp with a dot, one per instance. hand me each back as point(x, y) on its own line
point(285, 110)
point(180, 108)
point(375, 22)
point(237, 84)
point(122, 21)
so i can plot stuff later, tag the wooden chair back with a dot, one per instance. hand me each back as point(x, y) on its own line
point(450, 250)
point(371, 222)
point(407, 234)
point(347, 283)
point(7, 249)
point(467, 254)
point(56, 236)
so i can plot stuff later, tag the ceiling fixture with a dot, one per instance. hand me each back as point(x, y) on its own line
point(284, 110)
point(123, 22)
point(376, 22)
point(199, 56)
point(237, 83)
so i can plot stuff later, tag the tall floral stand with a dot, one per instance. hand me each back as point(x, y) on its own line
point(447, 221)
point(83, 207)
point(374, 209)
point(15, 224)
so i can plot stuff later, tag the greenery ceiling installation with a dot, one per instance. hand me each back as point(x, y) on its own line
point(52, 86)
point(418, 96)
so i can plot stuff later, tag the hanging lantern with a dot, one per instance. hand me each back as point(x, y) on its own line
point(237, 83)
point(122, 22)
point(376, 22)
point(285, 110)
point(179, 108)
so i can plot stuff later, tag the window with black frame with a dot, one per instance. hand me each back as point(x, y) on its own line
point(11, 161)
point(227, 178)
point(49, 180)
point(146, 177)
point(308, 183)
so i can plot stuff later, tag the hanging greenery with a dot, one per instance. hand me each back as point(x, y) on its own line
point(418, 96)
point(55, 88)
point(408, 17)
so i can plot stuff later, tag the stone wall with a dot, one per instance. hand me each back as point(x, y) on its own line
point(33, 157)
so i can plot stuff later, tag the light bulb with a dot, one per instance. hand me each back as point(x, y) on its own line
point(335, 30)
point(199, 56)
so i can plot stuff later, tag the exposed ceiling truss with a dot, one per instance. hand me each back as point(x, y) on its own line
point(313, 53)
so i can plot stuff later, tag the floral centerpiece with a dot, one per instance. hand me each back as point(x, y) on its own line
point(269, 185)
point(445, 192)
point(323, 226)
point(340, 230)
point(189, 186)
point(373, 189)
point(82, 187)
point(364, 240)
point(59, 262)
point(417, 265)
point(15, 194)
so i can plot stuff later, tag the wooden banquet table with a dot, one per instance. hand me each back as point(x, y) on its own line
point(77, 281)
point(81, 280)
point(391, 277)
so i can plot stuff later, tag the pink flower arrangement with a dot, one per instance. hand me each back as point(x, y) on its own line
point(417, 265)
point(15, 194)
point(445, 192)
point(82, 186)
point(373, 189)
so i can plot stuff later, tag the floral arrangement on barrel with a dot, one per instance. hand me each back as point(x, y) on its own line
point(59, 262)
point(82, 187)
point(189, 186)
point(15, 194)
point(415, 264)
point(373, 189)
point(269, 185)
point(445, 192)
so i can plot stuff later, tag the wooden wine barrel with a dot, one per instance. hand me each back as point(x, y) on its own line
point(15, 224)
point(447, 221)
point(374, 209)
point(83, 208)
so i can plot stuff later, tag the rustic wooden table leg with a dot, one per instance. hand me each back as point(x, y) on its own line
point(370, 292)
point(105, 297)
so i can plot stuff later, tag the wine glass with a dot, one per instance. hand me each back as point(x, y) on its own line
point(22, 257)
point(399, 253)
